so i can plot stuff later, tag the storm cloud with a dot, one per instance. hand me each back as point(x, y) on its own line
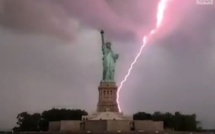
point(123, 21)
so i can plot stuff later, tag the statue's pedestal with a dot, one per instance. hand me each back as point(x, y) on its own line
point(107, 107)
point(107, 97)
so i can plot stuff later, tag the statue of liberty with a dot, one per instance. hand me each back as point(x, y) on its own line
point(109, 61)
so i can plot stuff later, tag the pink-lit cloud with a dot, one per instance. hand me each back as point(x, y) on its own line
point(129, 20)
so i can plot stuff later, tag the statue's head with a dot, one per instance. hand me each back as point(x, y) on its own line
point(108, 45)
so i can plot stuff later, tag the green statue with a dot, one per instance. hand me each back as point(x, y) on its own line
point(109, 61)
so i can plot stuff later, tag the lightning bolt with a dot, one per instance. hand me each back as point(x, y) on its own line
point(160, 15)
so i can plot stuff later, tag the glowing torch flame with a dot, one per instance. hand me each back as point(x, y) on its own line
point(160, 15)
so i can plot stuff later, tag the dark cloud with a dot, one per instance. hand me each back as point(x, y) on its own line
point(122, 21)
point(36, 16)
point(56, 17)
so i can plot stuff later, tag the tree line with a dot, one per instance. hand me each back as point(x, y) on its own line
point(176, 121)
point(40, 121)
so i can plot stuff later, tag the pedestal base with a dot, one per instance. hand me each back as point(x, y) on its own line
point(101, 126)
point(107, 97)
point(106, 116)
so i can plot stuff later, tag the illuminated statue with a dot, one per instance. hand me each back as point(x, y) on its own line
point(109, 61)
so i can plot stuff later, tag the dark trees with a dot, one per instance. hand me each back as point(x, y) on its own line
point(177, 121)
point(40, 122)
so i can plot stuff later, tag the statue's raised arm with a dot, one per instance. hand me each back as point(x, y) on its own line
point(103, 41)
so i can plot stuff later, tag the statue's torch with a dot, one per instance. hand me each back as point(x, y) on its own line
point(102, 35)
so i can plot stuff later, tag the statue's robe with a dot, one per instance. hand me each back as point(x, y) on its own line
point(109, 59)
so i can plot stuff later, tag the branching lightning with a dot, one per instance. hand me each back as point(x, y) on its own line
point(160, 15)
